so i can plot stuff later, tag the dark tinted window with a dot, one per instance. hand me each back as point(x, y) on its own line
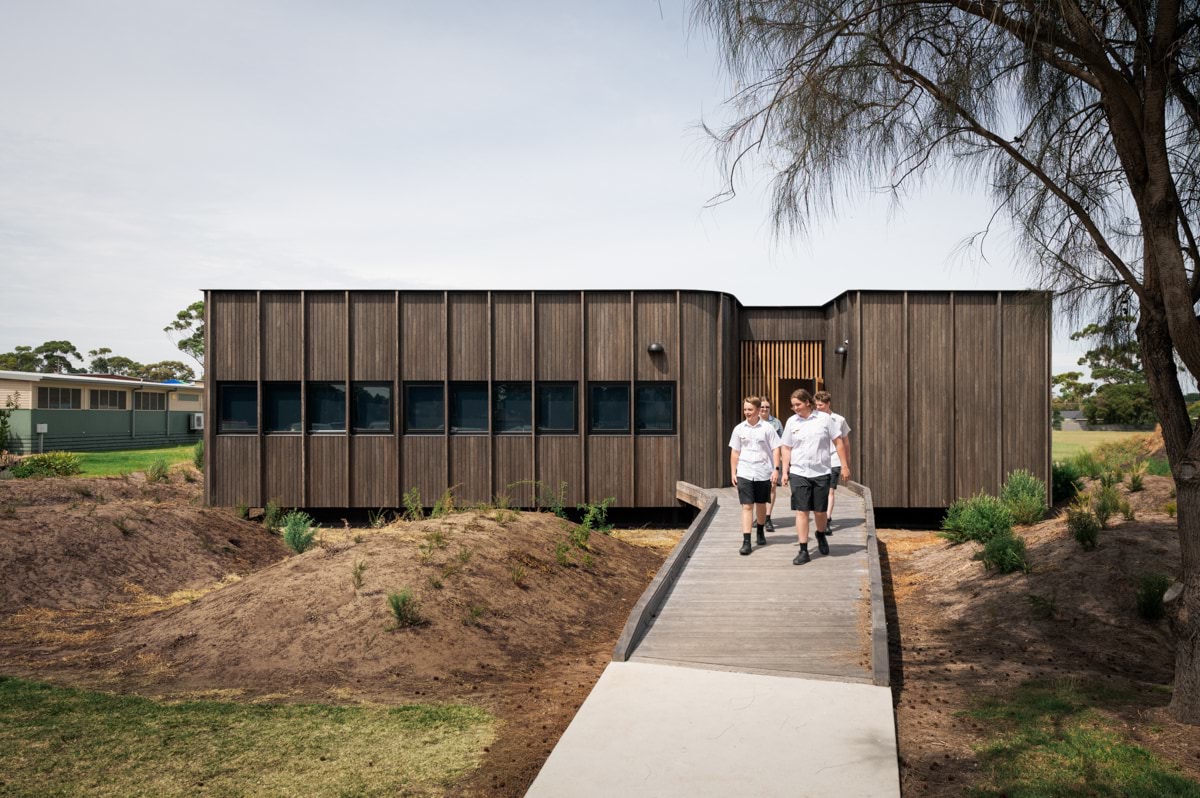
point(654, 407)
point(60, 398)
point(423, 408)
point(372, 407)
point(326, 407)
point(108, 400)
point(608, 407)
point(238, 406)
point(513, 405)
point(149, 401)
point(281, 408)
point(468, 407)
point(556, 408)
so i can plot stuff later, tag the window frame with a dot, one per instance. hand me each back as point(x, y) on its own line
point(309, 416)
point(275, 385)
point(487, 404)
point(537, 408)
point(74, 398)
point(354, 428)
point(674, 429)
point(97, 397)
point(140, 396)
point(591, 398)
point(222, 387)
point(495, 409)
point(405, 390)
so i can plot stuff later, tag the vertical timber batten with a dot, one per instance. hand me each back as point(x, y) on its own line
point(304, 397)
point(261, 440)
point(1000, 391)
point(347, 463)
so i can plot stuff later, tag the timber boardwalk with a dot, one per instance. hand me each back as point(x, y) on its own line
point(744, 676)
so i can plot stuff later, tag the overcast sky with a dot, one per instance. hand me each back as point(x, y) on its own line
point(151, 149)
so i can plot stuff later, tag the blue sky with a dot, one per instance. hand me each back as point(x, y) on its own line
point(152, 149)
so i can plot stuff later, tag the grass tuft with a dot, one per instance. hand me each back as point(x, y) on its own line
point(405, 609)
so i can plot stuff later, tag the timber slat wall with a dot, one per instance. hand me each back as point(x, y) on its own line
point(470, 336)
point(946, 392)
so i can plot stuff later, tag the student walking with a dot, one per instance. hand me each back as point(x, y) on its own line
point(807, 439)
point(824, 402)
point(764, 412)
point(753, 467)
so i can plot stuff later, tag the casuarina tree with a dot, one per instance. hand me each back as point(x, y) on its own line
point(1082, 118)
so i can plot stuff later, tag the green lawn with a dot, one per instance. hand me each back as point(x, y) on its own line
point(1047, 740)
point(63, 742)
point(1065, 444)
point(108, 464)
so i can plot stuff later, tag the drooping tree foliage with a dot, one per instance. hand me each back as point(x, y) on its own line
point(187, 331)
point(1080, 115)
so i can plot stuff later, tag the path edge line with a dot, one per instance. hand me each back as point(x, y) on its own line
point(880, 664)
point(655, 593)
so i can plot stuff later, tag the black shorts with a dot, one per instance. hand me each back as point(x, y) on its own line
point(834, 477)
point(810, 493)
point(754, 491)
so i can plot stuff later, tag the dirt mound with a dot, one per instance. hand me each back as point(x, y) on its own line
point(497, 597)
point(70, 543)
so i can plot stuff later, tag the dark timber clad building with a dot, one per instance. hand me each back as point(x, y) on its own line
point(351, 398)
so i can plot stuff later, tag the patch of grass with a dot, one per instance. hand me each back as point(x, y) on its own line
point(299, 531)
point(505, 517)
point(1046, 740)
point(189, 476)
point(435, 581)
point(405, 609)
point(122, 525)
point(1158, 467)
point(1169, 508)
point(198, 455)
point(159, 471)
point(444, 506)
point(436, 538)
point(1043, 607)
point(56, 741)
point(413, 509)
point(242, 511)
point(579, 536)
point(464, 555)
point(475, 615)
point(562, 554)
point(1065, 444)
point(1150, 592)
point(517, 574)
point(1025, 496)
point(377, 520)
point(595, 516)
point(1106, 502)
point(111, 464)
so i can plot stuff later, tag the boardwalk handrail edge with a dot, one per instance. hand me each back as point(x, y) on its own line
point(880, 665)
point(655, 593)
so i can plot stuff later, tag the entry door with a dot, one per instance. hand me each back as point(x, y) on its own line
point(783, 397)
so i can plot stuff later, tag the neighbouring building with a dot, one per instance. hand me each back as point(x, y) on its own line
point(352, 398)
point(80, 412)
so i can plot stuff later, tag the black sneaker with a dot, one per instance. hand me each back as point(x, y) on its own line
point(822, 543)
point(745, 549)
point(802, 558)
point(770, 525)
point(762, 539)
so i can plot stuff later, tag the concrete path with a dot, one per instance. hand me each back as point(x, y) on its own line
point(754, 678)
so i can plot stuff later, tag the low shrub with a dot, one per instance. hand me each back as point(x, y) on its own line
point(562, 554)
point(1150, 592)
point(1127, 511)
point(1083, 526)
point(377, 520)
point(198, 456)
point(299, 532)
point(357, 572)
point(1169, 508)
point(1137, 482)
point(1065, 481)
point(517, 574)
point(405, 609)
point(272, 515)
point(444, 506)
point(50, 464)
point(242, 510)
point(1158, 467)
point(1086, 464)
point(1106, 502)
point(413, 509)
point(1025, 496)
point(595, 516)
point(159, 471)
point(1004, 552)
point(979, 518)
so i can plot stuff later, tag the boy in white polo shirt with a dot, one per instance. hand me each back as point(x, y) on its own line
point(824, 402)
point(806, 444)
point(753, 464)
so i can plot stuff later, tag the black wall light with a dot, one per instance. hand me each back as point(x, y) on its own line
point(655, 349)
point(843, 348)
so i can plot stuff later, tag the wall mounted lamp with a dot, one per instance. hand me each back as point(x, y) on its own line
point(843, 348)
point(655, 349)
